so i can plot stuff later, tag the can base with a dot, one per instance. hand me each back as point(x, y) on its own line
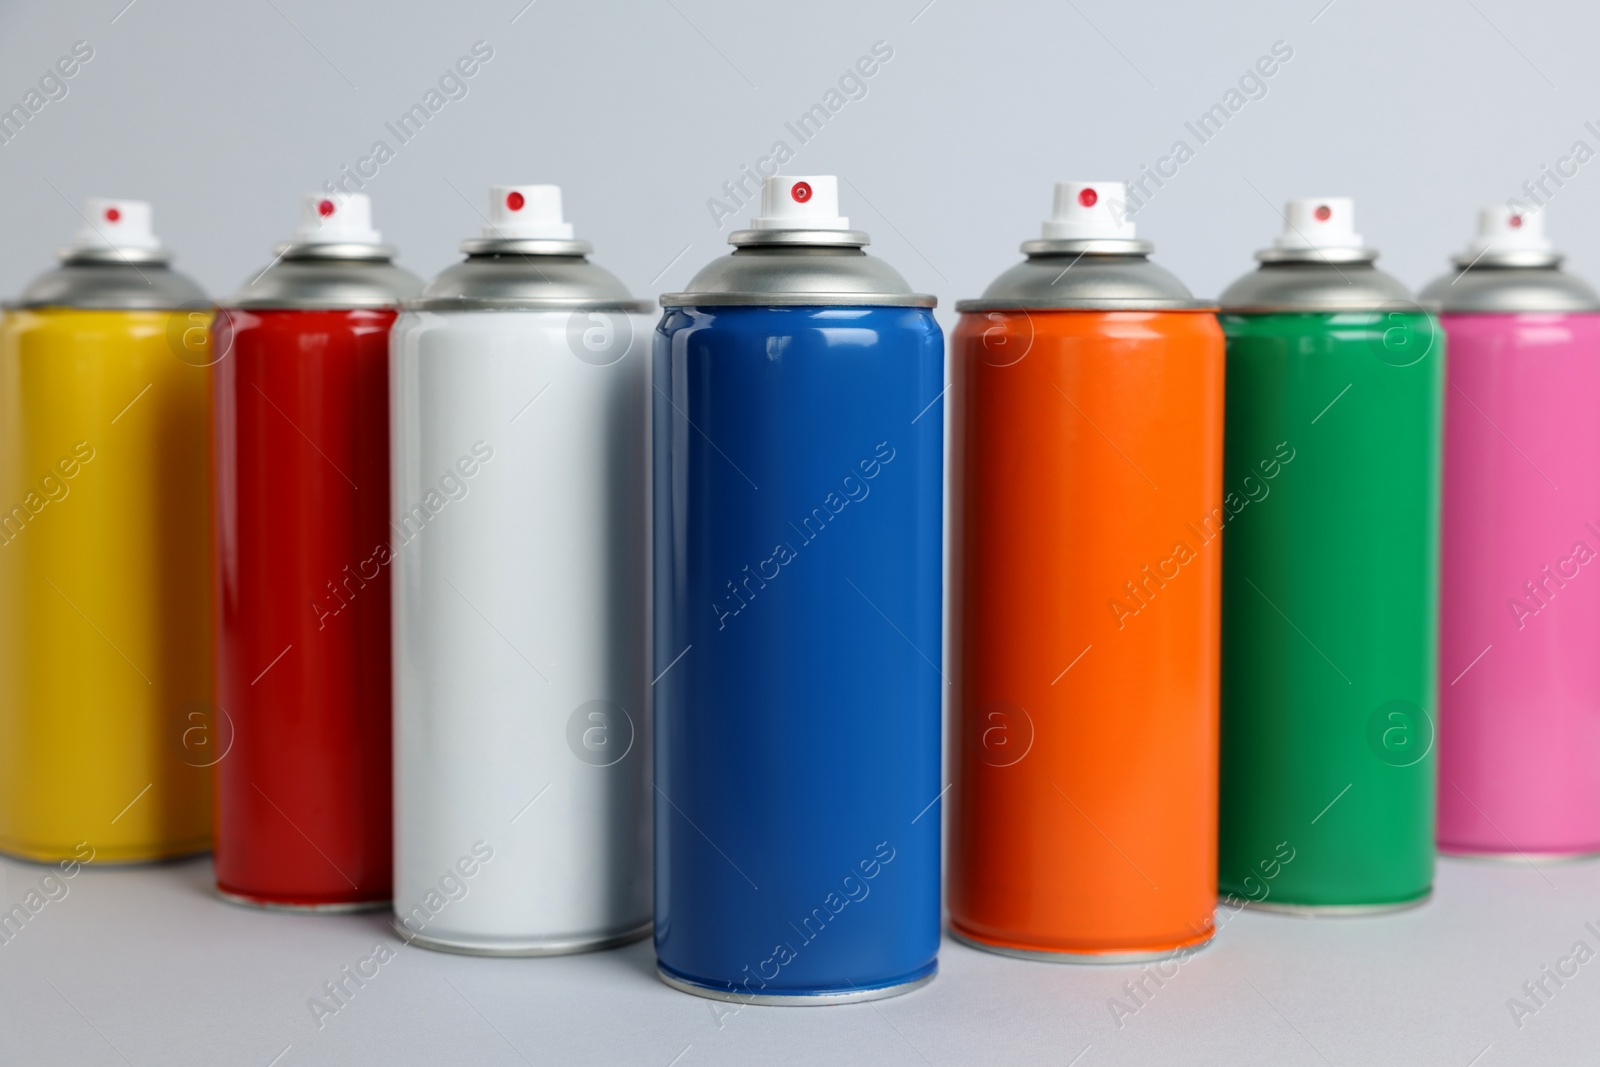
point(107, 857)
point(520, 948)
point(1091, 959)
point(795, 1000)
point(1517, 859)
point(338, 908)
point(1330, 911)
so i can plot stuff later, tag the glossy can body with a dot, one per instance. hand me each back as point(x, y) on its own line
point(797, 644)
point(301, 471)
point(1086, 464)
point(104, 584)
point(520, 503)
point(1330, 607)
point(1519, 664)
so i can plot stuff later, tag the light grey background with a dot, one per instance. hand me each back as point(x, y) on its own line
point(223, 113)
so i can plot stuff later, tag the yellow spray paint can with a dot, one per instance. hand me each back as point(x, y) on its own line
point(106, 731)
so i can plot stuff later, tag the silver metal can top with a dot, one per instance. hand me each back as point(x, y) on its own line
point(1509, 288)
point(317, 276)
point(1509, 267)
point(798, 268)
point(799, 252)
point(1086, 274)
point(1088, 259)
point(1315, 280)
point(115, 263)
point(529, 274)
point(1318, 263)
point(334, 261)
point(113, 279)
point(526, 259)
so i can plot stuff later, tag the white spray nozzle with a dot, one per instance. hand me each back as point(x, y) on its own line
point(1089, 210)
point(808, 203)
point(1319, 222)
point(526, 212)
point(1506, 230)
point(342, 220)
point(116, 224)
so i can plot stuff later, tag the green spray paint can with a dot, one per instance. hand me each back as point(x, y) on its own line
point(1335, 385)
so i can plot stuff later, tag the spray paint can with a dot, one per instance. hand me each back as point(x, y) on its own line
point(797, 617)
point(1331, 483)
point(520, 496)
point(104, 555)
point(1086, 472)
point(301, 482)
point(1519, 673)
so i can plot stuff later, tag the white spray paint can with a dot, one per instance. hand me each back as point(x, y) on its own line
point(519, 387)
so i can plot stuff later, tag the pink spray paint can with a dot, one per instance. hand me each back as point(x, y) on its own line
point(1519, 634)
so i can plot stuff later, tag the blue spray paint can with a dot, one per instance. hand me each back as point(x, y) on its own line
point(797, 496)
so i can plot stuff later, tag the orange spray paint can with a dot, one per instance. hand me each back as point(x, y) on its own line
point(1086, 503)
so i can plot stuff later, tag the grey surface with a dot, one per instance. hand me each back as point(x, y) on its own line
point(143, 966)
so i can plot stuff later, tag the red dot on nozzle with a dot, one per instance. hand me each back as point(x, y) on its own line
point(1088, 197)
point(1516, 222)
point(514, 201)
point(801, 191)
point(112, 214)
point(1323, 212)
point(325, 208)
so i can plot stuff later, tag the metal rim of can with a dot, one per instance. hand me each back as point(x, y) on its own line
point(815, 238)
point(182, 853)
point(1318, 255)
point(1085, 959)
point(130, 256)
point(1514, 858)
point(1510, 258)
point(472, 303)
point(342, 908)
point(819, 300)
point(1093, 246)
point(525, 246)
point(1108, 304)
point(341, 251)
point(1335, 911)
point(795, 1000)
point(527, 948)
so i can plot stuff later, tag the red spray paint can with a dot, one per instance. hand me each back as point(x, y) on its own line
point(301, 733)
